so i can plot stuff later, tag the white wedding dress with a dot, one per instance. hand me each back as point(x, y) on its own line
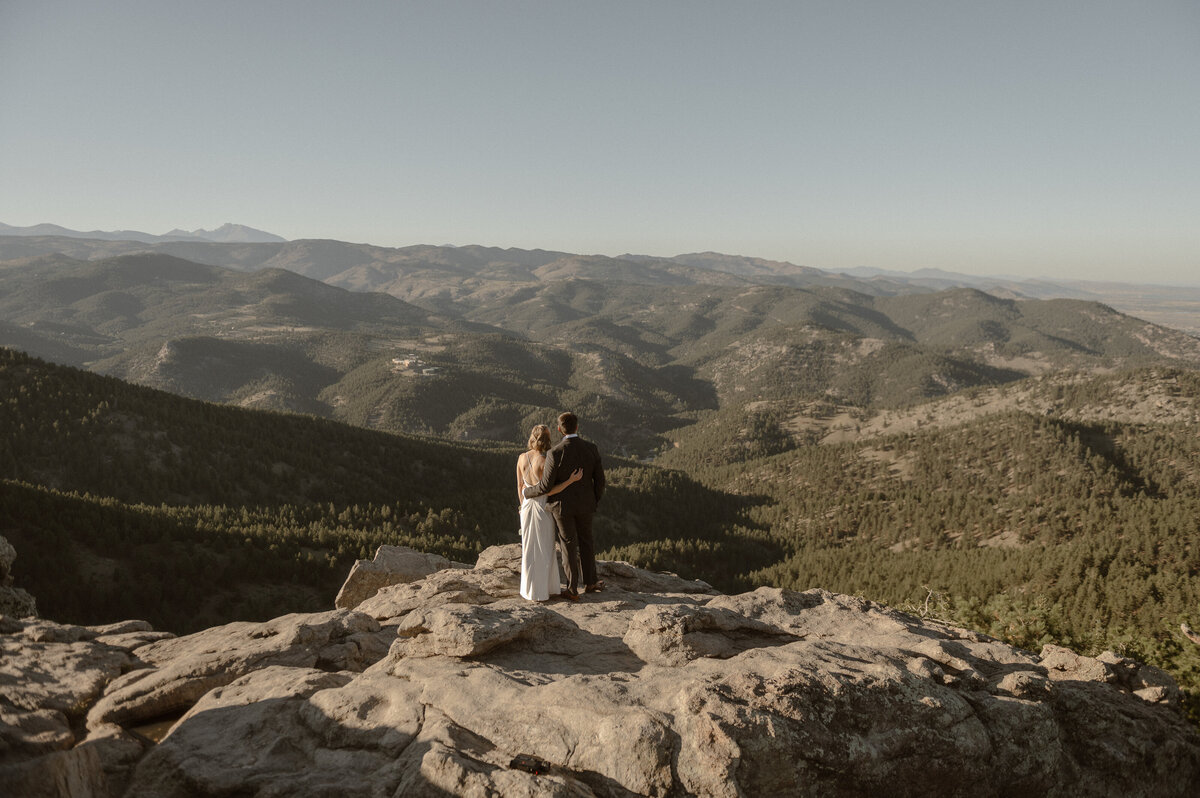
point(539, 566)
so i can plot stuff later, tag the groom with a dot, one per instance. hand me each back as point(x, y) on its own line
point(574, 506)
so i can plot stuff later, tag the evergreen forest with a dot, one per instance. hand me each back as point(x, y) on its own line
point(1061, 509)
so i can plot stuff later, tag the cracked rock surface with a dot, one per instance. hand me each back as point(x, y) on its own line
point(657, 686)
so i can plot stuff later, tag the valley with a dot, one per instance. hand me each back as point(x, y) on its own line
point(228, 437)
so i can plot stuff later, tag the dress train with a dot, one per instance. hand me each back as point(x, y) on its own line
point(539, 565)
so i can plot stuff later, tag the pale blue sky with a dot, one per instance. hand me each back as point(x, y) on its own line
point(1055, 139)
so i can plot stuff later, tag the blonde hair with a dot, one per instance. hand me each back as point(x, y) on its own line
point(539, 438)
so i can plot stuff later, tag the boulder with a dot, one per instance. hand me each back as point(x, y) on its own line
point(1063, 664)
point(181, 670)
point(50, 674)
point(44, 667)
point(14, 602)
point(674, 634)
point(1145, 681)
point(637, 580)
point(63, 774)
point(392, 565)
point(8, 556)
point(394, 602)
point(17, 603)
point(465, 630)
point(330, 734)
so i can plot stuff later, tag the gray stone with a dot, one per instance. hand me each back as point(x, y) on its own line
point(673, 634)
point(14, 601)
point(465, 630)
point(446, 587)
point(1028, 685)
point(183, 669)
point(500, 558)
point(118, 752)
point(1145, 681)
point(17, 603)
point(132, 641)
point(8, 555)
point(1064, 664)
point(657, 686)
point(32, 732)
point(121, 628)
point(49, 675)
point(77, 773)
point(392, 565)
point(63, 674)
point(636, 580)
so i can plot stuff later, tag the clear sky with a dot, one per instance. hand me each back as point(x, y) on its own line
point(1040, 138)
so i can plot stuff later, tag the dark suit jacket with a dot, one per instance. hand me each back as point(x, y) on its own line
point(569, 454)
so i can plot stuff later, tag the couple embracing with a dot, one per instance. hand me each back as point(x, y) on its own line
point(559, 489)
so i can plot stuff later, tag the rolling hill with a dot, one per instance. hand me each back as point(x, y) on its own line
point(273, 339)
point(500, 347)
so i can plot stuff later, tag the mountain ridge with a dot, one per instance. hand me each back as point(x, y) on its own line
point(434, 274)
point(226, 233)
point(486, 354)
point(632, 360)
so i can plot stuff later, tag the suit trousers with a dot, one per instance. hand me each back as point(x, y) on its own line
point(578, 551)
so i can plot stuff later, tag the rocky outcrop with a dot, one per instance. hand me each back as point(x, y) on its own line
point(656, 686)
point(183, 669)
point(50, 674)
point(14, 602)
point(392, 565)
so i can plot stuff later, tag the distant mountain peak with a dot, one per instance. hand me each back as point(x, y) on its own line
point(228, 233)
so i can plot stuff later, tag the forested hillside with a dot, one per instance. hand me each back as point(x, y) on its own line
point(124, 501)
point(1056, 510)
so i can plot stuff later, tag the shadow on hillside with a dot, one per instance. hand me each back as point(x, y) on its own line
point(697, 393)
point(1098, 442)
point(707, 535)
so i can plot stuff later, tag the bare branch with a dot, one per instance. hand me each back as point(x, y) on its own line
point(925, 607)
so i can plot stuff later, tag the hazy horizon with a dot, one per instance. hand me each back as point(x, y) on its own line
point(1027, 139)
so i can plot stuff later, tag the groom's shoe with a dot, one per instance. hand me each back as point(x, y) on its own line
point(596, 588)
point(569, 595)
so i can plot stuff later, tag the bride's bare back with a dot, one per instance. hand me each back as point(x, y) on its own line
point(534, 463)
point(530, 466)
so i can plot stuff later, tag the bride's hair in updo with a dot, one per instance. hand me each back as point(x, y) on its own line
point(539, 438)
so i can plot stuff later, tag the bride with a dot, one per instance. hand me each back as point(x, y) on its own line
point(539, 566)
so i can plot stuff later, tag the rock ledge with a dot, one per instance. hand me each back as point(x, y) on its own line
point(430, 684)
